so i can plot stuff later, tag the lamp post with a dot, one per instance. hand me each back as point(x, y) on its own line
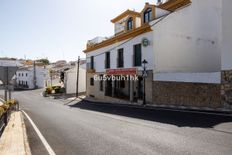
point(144, 62)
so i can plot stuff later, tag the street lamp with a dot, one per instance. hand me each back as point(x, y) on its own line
point(144, 62)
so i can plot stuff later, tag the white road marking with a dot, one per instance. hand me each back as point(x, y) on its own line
point(44, 141)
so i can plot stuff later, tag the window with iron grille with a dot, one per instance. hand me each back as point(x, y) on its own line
point(91, 82)
point(137, 55)
point(130, 23)
point(92, 62)
point(147, 16)
point(120, 58)
point(107, 60)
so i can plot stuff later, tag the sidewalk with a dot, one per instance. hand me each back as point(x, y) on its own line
point(149, 106)
point(164, 107)
point(14, 138)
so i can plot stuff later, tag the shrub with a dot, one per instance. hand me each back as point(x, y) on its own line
point(1, 111)
point(48, 90)
point(5, 106)
point(12, 102)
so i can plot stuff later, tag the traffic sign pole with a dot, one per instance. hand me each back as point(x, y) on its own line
point(6, 74)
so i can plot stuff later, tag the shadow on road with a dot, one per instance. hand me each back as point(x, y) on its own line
point(180, 119)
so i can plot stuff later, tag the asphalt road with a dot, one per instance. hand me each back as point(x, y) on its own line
point(86, 128)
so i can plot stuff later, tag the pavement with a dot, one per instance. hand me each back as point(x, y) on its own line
point(164, 107)
point(14, 138)
point(88, 128)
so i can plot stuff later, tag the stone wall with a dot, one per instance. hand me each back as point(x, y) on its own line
point(186, 94)
point(226, 88)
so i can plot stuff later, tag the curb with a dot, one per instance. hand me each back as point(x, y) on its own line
point(14, 138)
point(169, 108)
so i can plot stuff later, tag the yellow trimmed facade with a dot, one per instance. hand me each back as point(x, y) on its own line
point(118, 38)
point(137, 29)
point(172, 5)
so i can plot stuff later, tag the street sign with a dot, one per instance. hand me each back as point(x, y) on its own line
point(6, 73)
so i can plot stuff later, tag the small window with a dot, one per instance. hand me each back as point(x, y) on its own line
point(130, 23)
point(92, 62)
point(26, 74)
point(147, 16)
point(107, 60)
point(137, 55)
point(22, 74)
point(19, 74)
point(120, 58)
point(91, 82)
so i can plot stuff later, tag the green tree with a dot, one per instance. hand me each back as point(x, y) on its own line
point(44, 61)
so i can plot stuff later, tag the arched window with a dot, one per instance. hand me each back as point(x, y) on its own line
point(130, 23)
point(147, 16)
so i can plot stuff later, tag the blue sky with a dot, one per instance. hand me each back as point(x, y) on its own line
point(56, 29)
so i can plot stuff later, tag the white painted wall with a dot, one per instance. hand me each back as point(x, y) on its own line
point(188, 40)
point(226, 35)
point(41, 77)
point(160, 12)
point(71, 78)
point(10, 63)
point(214, 77)
point(147, 53)
point(138, 22)
point(120, 25)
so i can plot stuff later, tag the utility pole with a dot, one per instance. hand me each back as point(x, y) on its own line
point(9, 91)
point(78, 68)
point(6, 84)
point(6, 74)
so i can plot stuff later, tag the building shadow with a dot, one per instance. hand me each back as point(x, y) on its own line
point(177, 118)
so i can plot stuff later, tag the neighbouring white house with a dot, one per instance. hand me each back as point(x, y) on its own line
point(70, 79)
point(6, 62)
point(226, 53)
point(31, 78)
point(189, 52)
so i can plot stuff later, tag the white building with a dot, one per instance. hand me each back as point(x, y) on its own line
point(187, 47)
point(25, 77)
point(123, 54)
point(10, 63)
point(70, 81)
point(188, 51)
point(226, 51)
